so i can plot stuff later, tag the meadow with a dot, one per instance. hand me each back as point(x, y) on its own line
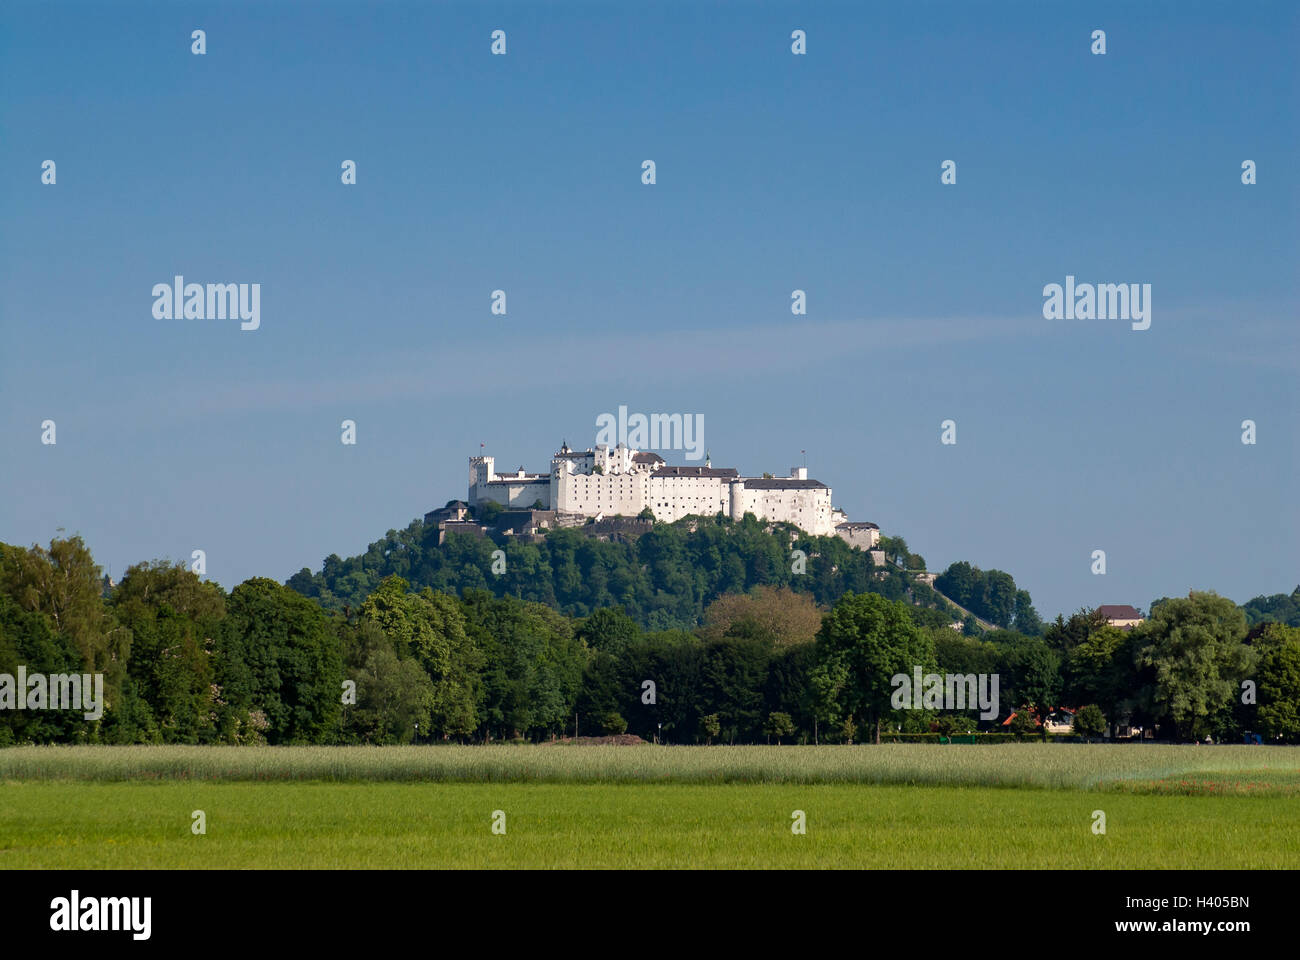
point(1045, 765)
point(896, 806)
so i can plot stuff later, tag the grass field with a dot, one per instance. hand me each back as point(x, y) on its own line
point(1015, 805)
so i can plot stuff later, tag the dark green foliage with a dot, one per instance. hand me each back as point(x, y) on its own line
point(990, 594)
point(393, 694)
point(1279, 686)
point(173, 617)
point(532, 666)
point(955, 724)
point(733, 675)
point(1029, 671)
point(663, 580)
point(609, 630)
point(1278, 608)
point(587, 636)
point(1193, 647)
point(779, 724)
point(864, 641)
point(1089, 722)
point(283, 669)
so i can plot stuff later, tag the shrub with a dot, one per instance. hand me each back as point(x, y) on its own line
point(1089, 721)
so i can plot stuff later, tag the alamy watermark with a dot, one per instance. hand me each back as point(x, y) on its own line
point(1102, 301)
point(179, 300)
point(75, 913)
point(58, 691)
point(658, 431)
point(953, 691)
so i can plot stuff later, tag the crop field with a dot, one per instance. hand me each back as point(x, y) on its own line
point(897, 806)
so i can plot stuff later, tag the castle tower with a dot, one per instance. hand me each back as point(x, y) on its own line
point(735, 502)
point(481, 470)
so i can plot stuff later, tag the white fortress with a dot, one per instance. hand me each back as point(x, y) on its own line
point(619, 481)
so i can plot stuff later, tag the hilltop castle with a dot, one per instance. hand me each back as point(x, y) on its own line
point(619, 481)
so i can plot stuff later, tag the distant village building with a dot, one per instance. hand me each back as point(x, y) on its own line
point(1120, 615)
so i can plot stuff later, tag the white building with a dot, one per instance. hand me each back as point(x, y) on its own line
point(864, 535)
point(619, 481)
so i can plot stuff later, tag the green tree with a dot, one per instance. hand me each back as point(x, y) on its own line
point(864, 641)
point(711, 726)
point(779, 614)
point(1029, 673)
point(28, 638)
point(848, 729)
point(1064, 635)
point(955, 724)
point(393, 694)
point(960, 583)
point(1194, 648)
point(894, 549)
point(778, 725)
point(608, 629)
point(1279, 689)
point(1089, 722)
point(602, 687)
point(173, 617)
point(61, 585)
point(1279, 608)
point(1024, 721)
point(1100, 669)
point(1026, 619)
point(64, 583)
point(533, 665)
point(733, 676)
point(998, 604)
point(280, 666)
point(430, 627)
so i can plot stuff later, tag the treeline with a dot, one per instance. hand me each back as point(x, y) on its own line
point(663, 580)
point(991, 595)
point(1279, 608)
point(185, 662)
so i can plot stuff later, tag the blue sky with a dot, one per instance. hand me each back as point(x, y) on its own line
point(774, 172)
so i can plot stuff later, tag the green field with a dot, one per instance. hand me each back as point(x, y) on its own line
point(1027, 805)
